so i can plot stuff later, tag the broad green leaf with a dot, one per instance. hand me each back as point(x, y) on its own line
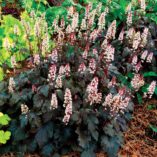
point(145, 88)
point(4, 119)
point(150, 74)
point(130, 75)
point(4, 136)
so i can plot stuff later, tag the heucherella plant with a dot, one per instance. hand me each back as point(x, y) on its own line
point(80, 97)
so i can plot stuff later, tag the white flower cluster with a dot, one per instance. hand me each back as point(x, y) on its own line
point(68, 106)
point(137, 82)
point(92, 66)
point(151, 90)
point(136, 40)
point(36, 59)
point(82, 68)
point(26, 26)
point(16, 30)
point(54, 101)
point(121, 35)
point(45, 44)
point(52, 73)
point(11, 85)
point(109, 53)
point(6, 44)
point(144, 37)
point(101, 21)
point(92, 91)
point(130, 33)
point(143, 5)
point(37, 28)
point(13, 62)
point(54, 56)
point(24, 109)
point(111, 32)
point(116, 103)
point(147, 56)
point(129, 15)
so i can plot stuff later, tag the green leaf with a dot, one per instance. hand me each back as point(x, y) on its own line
point(150, 74)
point(47, 150)
point(19, 135)
point(123, 80)
point(92, 122)
point(130, 75)
point(139, 98)
point(53, 12)
point(4, 136)
point(88, 153)
point(1, 74)
point(44, 90)
point(23, 121)
point(112, 144)
point(145, 88)
point(44, 134)
point(154, 128)
point(155, 91)
point(37, 102)
point(4, 119)
point(60, 94)
point(109, 130)
point(83, 138)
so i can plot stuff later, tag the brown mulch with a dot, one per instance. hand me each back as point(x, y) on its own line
point(138, 143)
